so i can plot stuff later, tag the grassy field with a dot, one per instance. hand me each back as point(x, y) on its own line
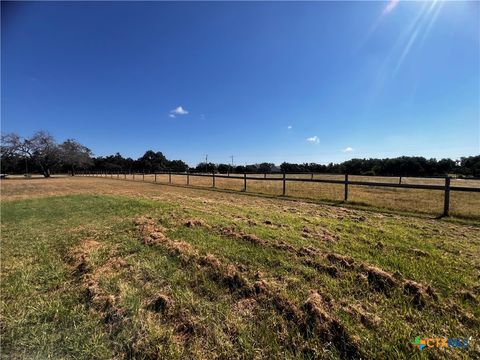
point(462, 204)
point(100, 269)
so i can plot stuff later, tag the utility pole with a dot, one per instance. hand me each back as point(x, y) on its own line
point(231, 156)
point(206, 163)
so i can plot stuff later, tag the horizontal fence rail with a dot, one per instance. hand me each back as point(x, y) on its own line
point(446, 187)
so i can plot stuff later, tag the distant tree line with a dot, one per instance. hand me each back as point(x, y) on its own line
point(42, 154)
point(400, 166)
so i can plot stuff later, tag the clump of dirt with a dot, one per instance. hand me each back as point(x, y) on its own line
point(282, 245)
point(343, 261)
point(260, 286)
point(358, 312)
point(192, 223)
point(252, 238)
point(181, 247)
point(78, 256)
point(320, 320)
point(230, 231)
point(151, 233)
point(420, 293)
point(286, 307)
point(307, 251)
point(105, 305)
point(234, 280)
point(328, 269)
point(160, 303)
point(315, 309)
point(210, 260)
point(379, 279)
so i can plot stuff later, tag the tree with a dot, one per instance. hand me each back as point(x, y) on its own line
point(177, 166)
point(204, 167)
point(223, 168)
point(152, 161)
point(40, 148)
point(74, 155)
point(265, 168)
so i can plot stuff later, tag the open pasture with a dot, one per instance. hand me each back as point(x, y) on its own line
point(100, 268)
point(462, 204)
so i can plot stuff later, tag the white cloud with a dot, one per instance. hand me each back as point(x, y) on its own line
point(178, 111)
point(313, 139)
point(348, 149)
point(289, 127)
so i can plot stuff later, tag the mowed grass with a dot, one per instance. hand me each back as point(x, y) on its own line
point(81, 269)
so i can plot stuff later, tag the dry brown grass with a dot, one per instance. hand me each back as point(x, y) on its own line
point(462, 204)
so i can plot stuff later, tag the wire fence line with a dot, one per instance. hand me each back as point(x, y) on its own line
point(284, 178)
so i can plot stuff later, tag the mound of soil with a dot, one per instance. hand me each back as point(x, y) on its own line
point(343, 261)
point(379, 279)
point(322, 322)
point(160, 303)
point(192, 223)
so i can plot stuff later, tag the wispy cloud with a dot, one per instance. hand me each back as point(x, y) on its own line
point(392, 4)
point(313, 139)
point(348, 149)
point(178, 111)
point(289, 127)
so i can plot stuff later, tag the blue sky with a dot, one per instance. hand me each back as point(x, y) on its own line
point(297, 82)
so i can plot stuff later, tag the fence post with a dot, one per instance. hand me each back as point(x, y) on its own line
point(244, 181)
point(446, 204)
point(111, 175)
point(169, 177)
point(155, 177)
point(400, 181)
point(213, 179)
point(134, 175)
point(125, 175)
point(284, 185)
point(143, 176)
point(188, 178)
point(265, 175)
point(311, 177)
point(346, 188)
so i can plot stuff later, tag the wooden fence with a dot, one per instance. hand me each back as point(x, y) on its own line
point(446, 187)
